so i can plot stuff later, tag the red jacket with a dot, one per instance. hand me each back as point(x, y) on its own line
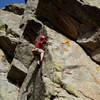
point(39, 45)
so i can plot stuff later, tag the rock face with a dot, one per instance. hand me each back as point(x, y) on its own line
point(9, 38)
point(76, 76)
point(8, 91)
point(9, 31)
point(21, 62)
point(10, 19)
point(67, 71)
point(77, 19)
point(91, 42)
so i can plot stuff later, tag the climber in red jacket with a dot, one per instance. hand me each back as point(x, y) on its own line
point(39, 47)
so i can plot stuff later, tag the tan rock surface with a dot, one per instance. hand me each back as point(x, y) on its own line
point(8, 91)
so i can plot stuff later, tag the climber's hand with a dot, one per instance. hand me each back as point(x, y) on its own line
point(33, 50)
point(39, 62)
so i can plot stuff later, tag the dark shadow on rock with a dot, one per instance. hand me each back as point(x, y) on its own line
point(73, 67)
point(48, 23)
point(9, 57)
point(93, 12)
point(15, 9)
point(25, 1)
point(82, 14)
point(18, 76)
point(37, 91)
point(31, 30)
point(7, 45)
point(88, 53)
point(52, 97)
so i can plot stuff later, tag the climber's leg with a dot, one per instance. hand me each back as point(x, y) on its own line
point(41, 52)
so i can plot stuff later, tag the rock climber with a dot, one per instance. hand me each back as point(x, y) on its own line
point(40, 47)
